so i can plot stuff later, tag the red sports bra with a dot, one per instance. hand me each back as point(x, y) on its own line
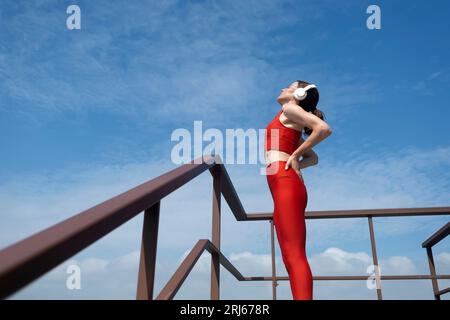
point(288, 138)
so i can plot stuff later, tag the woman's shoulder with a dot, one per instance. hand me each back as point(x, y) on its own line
point(289, 106)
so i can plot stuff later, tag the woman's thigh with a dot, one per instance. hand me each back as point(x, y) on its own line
point(290, 200)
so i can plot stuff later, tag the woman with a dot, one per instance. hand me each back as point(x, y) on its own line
point(284, 146)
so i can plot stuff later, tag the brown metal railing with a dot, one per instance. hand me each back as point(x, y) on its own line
point(428, 244)
point(27, 260)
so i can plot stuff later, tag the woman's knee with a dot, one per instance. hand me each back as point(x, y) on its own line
point(294, 257)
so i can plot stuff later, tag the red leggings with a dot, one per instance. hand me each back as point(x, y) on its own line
point(290, 198)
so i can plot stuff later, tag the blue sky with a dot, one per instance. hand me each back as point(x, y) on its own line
point(87, 114)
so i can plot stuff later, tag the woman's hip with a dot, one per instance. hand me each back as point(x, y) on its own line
point(276, 170)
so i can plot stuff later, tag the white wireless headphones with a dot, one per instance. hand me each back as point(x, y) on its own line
point(301, 93)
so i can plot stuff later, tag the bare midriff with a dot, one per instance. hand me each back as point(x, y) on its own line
point(276, 155)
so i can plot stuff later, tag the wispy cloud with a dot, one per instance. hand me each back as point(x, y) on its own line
point(142, 60)
point(157, 60)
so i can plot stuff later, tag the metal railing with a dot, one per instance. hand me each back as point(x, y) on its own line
point(428, 244)
point(27, 260)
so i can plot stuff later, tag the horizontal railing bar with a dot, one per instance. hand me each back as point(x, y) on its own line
point(30, 258)
point(361, 213)
point(437, 236)
point(382, 277)
point(175, 282)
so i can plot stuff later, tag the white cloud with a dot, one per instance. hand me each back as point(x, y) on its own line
point(335, 261)
point(442, 262)
point(397, 265)
point(93, 265)
point(116, 278)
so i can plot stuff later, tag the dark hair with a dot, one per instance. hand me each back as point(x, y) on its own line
point(310, 103)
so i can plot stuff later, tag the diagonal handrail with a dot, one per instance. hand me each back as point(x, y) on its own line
point(175, 282)
point(28, 259)
point(428, 244)
point(437, 236)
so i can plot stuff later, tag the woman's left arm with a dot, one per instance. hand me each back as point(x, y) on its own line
point(309, 158)
point(320, 130)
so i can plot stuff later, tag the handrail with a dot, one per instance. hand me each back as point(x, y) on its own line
point(28, 259)
point(361, 213)
point(428, 244)
point(175, 282)
point(437, 236)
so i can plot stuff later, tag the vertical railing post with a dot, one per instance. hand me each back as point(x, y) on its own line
point(375, 259)
point(433, 274)
point(147, 264)
point(215, 263)
point(274, 273)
